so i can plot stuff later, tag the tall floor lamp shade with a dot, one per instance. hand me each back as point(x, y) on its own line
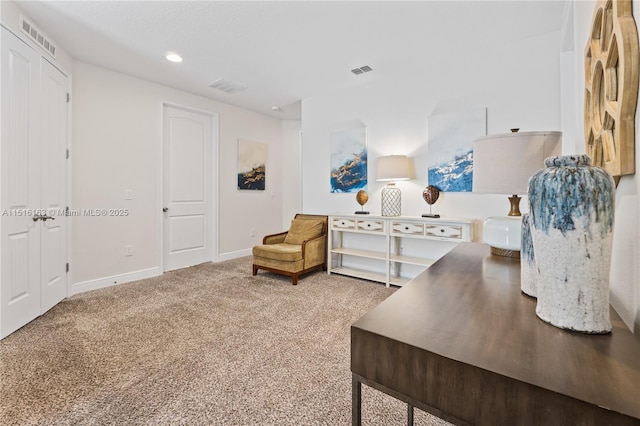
point(392, 168)
point(503, 164)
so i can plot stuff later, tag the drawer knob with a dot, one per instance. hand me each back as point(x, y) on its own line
point(406, 228)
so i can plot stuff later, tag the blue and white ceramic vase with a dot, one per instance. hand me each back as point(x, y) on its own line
point(528, 268)
point(572, 212)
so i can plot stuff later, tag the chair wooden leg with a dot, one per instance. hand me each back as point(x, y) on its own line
point(255, 270)
point(294, 279)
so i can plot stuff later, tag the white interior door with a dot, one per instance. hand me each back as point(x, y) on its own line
point(33, 231)
point(187, 182)
point(20, 246)
point(53, 184)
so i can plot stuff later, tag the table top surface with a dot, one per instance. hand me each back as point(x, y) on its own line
point(468, 307)
point(403, 217)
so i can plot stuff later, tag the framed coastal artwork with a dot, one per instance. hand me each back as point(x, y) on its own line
point(252, 160)
point(348, 159)
point(450, 149)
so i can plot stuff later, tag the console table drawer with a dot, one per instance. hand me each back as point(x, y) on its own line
point(371, 226)
point(342, 223)
point(407, 228)
point(451, 232)
point(358, 225)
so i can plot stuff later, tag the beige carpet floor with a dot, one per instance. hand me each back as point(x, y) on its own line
point(206, 345)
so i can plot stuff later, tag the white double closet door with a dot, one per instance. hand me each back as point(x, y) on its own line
point(33, 184)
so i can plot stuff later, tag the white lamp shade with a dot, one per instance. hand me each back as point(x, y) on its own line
point(393, 167)
point(503, 163)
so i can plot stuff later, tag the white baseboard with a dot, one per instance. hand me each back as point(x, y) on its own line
point(81, 287)
point(234, 255)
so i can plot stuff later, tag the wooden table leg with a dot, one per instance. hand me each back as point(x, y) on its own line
point(356, 401)
point(409, 415)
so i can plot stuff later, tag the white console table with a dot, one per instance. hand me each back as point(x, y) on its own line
point(379, 248)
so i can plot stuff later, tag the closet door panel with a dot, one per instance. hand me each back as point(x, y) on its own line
point(55, 86)
point(20, 185)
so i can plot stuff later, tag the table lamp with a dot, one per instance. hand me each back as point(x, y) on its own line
point(503, 164)
point(392, 168)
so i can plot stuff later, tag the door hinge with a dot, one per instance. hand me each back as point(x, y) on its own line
point(68, 98)
point(67, 154)
point(67, 267)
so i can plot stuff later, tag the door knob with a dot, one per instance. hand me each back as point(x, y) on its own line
point(165, 209)
point(42, 217)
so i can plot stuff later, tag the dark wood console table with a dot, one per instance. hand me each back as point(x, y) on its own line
point(462, 342)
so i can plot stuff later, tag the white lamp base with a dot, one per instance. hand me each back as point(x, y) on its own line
point(391, 200)
point(503, 235)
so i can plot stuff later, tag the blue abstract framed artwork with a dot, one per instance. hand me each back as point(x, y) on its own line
point(348, 160)
point(450, 152)
point(252, 159)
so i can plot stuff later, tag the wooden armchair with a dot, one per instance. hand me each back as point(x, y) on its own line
point(301, 249)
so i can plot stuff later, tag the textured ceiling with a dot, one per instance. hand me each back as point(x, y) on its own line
point(283, 51)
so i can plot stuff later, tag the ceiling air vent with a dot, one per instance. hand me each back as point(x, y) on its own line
point(361, 70)
point(227, 86)
point(37, 36)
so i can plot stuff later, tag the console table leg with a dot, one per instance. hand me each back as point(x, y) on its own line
point(409, 415)
point(356, 401)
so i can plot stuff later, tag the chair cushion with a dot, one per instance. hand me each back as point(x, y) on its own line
point(282, 251)
point(303, 229)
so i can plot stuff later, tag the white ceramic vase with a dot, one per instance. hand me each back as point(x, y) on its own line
point(572, 212)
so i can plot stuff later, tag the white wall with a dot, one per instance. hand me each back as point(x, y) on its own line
point(518, 83)
point(291, 178)
point(117, 144)
point(625, 268)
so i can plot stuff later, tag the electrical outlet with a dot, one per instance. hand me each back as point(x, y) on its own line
point(252, 232)
point(128, 250)
point(128, 194)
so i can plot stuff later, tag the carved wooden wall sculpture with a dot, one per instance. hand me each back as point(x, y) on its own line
point(611, 87)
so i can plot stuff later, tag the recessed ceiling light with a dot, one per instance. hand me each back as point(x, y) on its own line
point(173, 57)
point(276, 108)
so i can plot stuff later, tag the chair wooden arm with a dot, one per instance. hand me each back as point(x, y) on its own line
point(275, 238)
point(318, 247)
